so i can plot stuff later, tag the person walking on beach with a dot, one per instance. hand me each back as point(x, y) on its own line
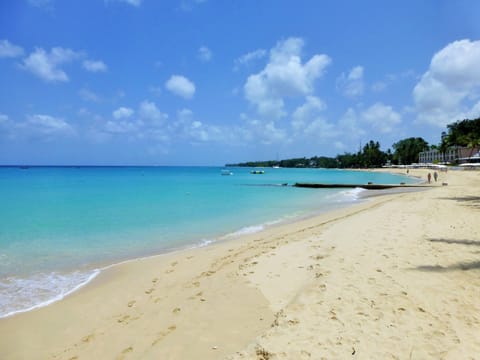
point(429, 177)
point(435, 176)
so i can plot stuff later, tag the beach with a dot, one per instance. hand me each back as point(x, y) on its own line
point(396, 276)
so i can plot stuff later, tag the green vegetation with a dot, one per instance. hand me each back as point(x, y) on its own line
point(407, 150)
point(461, 133)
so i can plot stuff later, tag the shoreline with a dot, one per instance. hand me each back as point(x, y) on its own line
point(98, 267)
point(247, 295)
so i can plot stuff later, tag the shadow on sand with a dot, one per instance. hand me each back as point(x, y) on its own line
point(461, 266)
point(471, 201)
point(456, 241)
point(473, 265)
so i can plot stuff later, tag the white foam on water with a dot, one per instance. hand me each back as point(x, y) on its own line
point(247, 230)
point(204, 242)
point(19, 294)
point(350, 195)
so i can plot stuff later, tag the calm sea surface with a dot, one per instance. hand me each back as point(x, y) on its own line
point(60, 225)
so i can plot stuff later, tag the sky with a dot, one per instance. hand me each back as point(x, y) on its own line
point(209, 82)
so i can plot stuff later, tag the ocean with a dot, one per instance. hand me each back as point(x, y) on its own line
point(60, 226)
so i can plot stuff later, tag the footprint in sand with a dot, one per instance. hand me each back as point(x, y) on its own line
point(176, 310)
point(124, 319)
point(164, 333)
point(124, 352)
point(88, 338)
point(131, 303)
point(149, 291)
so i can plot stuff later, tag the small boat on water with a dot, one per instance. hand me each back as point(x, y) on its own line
point(226, 172)
point(257, 171)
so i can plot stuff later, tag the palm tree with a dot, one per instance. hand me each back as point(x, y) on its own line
point(444, 145)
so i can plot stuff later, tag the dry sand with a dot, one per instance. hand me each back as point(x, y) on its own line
point(396, 277)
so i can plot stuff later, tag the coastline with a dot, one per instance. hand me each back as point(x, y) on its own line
point(260, 291)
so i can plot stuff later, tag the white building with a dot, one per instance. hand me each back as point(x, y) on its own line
point(452, 155)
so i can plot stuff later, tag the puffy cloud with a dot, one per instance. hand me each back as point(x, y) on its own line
point(264, 132)
point(308, 121)
point(349, 124)
point(449, 90)
point(120, 127)
point(351, 85)
point(248, 58)
point(307, 113)
point(122, 113)
point(284, 76)
point(47, 125)
point(197, 131)
point(7, 49)
point(204, 54)
point(382, 117)
point(181, 86)
point(149, 111)
point(94, 66)
point(46, 65)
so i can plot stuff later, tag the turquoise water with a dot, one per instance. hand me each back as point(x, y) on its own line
point(59, 225)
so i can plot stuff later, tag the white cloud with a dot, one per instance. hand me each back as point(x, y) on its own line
point(181, 86)
point(258, 131)
point(250, 57)
point(94, 66)
point(186, 126)
point(307, 113)
point(47, 65)
point(3, 118)
point(47, 125)
point(284, 76)
point(349, 125)
point(120, 127)
point(7, 49)
point(122, 113)
point(381, 117)
point(204, 54)
point(149, 111)
point(449, 90)
point(89, 95)
point(351, 85)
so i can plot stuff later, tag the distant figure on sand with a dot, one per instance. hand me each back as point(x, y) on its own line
point(435, 176)
point(429, 177)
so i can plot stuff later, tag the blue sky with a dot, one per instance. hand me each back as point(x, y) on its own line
point(205, 82)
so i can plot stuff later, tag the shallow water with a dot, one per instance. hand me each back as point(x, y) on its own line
point(59, 225)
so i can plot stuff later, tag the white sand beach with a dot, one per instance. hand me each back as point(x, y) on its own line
point(395, 277)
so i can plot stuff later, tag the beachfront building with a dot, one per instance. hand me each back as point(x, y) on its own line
point(453, 154)
point(474, 159)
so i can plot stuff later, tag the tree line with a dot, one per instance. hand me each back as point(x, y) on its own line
point(465, 133)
